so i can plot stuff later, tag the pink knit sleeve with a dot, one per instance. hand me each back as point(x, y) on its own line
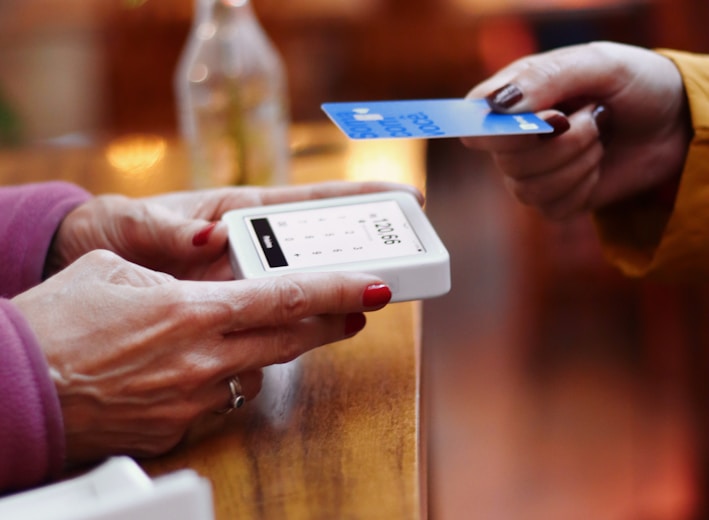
point(31, 427)
point(29, 216)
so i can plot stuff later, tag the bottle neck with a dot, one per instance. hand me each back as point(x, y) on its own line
point(232, 5)
point(222, 10)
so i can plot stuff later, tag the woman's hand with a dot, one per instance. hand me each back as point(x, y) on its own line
point(138, 356)
point(178, 233)
point(621, 126)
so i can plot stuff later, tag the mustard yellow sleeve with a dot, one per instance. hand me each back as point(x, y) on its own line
point(642, 238)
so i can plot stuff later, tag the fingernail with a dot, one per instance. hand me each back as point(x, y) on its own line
point(559, 123)
point(505, 97)
point(376, 295)
point(201, 238)
point(354, 323)
point(602, 116)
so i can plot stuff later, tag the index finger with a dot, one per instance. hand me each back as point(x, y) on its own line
point(273, 301)
point(243, 197)
point(545, 80)
point(210, 205)
point(324, 190)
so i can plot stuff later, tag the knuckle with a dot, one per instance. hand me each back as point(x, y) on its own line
point(164, 444)
point(288, 346)
point(134, 216)
point(106, 265)
point(182, 306)
point(101, 256)
point(201, 369)
point(161, 438)
point(291, 299)
point(171, 307)
point(177, 419)
point(526, 193)
point(603, 49)
point(544, 71)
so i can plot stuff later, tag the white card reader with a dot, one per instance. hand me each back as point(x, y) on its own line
point(386, 234)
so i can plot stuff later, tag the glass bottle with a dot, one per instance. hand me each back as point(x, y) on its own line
point(231, 93)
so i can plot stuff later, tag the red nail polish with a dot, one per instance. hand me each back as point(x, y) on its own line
point(376, 295)
point(505, 97)
point(354, 323)
point(559, 123)
point(201, 238)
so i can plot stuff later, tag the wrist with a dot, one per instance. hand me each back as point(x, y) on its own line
point(58, 257)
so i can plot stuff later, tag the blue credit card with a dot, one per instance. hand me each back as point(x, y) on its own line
point(428, 119)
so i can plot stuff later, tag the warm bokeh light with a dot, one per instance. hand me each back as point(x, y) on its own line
point(321, 152)
point(397, 160)
point(135, 155)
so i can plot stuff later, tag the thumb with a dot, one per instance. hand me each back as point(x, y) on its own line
point(550, 79)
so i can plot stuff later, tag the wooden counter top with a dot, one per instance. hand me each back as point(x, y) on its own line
point(334, 434)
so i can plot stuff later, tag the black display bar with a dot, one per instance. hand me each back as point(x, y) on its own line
point(269, 245)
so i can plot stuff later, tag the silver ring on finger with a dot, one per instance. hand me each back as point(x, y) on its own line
point(236, 398)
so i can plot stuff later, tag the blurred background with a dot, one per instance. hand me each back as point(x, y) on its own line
point(88, 67)
point(553, 387)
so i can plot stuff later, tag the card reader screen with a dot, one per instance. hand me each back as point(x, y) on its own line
point(333, 235)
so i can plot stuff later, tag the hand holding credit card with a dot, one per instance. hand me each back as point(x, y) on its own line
point(429, 119)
